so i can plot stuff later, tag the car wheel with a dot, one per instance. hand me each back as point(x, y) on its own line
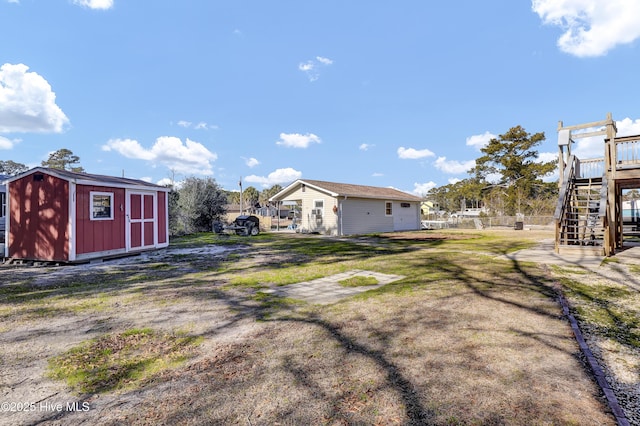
point(255, 231)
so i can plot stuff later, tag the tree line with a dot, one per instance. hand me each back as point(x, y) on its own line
point(506, 180)
point(61, 159)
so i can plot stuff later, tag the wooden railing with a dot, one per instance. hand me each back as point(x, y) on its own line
point(564, 197)
point(567, 181)
point(590, 168)
point(627, 152)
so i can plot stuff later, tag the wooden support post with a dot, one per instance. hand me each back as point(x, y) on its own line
point(612, 238)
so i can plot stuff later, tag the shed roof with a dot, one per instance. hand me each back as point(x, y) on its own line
point(336, 189)
point(91, 179)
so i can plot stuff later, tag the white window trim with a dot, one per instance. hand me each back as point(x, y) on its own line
point(321, 208)
point(385, 208)
point(93, 194)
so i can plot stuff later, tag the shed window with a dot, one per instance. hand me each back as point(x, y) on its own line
point(3, 204)
point(101, 206)
point(388, 208)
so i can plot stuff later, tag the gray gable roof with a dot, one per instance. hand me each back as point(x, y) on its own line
point(350, 190)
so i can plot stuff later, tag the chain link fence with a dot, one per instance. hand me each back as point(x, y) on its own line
point(513, 222)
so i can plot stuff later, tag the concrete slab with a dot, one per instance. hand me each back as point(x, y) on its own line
point(327, 290)
point(546, 254)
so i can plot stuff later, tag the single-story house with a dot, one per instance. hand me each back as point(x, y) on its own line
point(344, 209)
point(62, 216)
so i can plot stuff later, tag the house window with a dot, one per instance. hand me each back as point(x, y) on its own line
point(318, 208)
point(405, 205)
point(3, 204)
point(388, 208)
point(101, 207)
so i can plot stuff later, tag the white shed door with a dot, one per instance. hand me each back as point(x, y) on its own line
point(405, 218)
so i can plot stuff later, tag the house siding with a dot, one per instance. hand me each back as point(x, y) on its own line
point(3, 205)
point(39, 218)
point(308, 222)
point(365, 216)
point(99, 235)
point(406, 218)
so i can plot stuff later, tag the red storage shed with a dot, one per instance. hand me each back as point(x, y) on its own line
point(62, 216)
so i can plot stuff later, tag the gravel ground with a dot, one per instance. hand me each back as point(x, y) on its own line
point(32, 396)
point(620, 363)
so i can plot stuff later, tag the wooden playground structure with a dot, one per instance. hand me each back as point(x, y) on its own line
point(589, 215)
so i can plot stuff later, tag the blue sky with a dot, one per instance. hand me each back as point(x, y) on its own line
point(399, 94)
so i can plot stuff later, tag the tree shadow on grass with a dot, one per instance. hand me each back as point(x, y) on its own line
point(243, 307)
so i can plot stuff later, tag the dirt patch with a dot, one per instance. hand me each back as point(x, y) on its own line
point(452, 343)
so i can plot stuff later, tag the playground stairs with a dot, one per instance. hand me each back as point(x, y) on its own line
point(590, 215)
point(582, 217)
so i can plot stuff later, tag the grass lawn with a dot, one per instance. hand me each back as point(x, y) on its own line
point(465, 338)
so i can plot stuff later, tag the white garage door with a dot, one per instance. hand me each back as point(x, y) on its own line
point(405, 216)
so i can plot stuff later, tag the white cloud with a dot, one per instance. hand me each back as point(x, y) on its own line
point(493, 178)
point(167, 182)
point(95, 4)
point(188, 158)
point(145, 179)
point(306, 66)
point(453, 181)
point(365, 147)
point(454, 167)
point(130, 148)
point(628, 127)
point(413, 154)
point(202, 125)
point(324, 61)
point(545, 157)
point(279, 176)
point(7, 143)
point(376, 174)
point(593, 147)
point(591, 27)
point(312, 67)
point(251, 162)
point(296, 140)
point(480, 141)
point(27, 103)
point(421, 189)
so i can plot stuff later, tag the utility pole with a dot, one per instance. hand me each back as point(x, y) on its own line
point(240, 183)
